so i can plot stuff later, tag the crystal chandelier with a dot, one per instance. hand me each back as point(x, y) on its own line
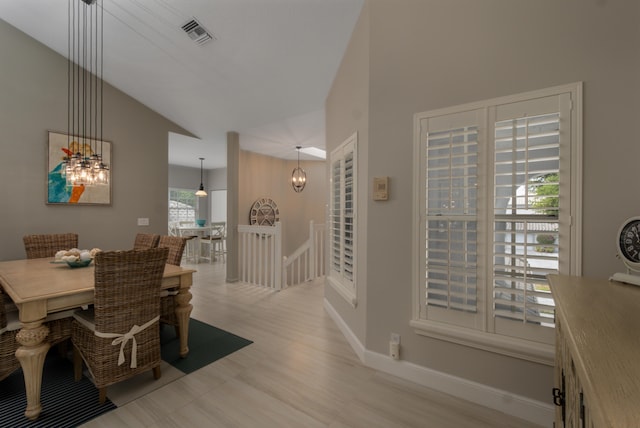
point(83, 164)
point(298, 176)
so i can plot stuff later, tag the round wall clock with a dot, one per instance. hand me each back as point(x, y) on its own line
point(264, 212)
point(628, 246)
point(629, 243)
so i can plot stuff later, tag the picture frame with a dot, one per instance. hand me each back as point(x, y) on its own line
point(61, 193)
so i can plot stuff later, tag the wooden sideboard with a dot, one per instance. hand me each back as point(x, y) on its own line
point(597, 369)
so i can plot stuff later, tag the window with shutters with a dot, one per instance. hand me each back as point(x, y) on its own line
point(342, 216)
point(497, 210)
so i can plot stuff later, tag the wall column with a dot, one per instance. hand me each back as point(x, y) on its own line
point(233, 187)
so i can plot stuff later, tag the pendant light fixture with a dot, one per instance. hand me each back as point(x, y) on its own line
point(201, 192)
point(298, 177)
point(84, 164)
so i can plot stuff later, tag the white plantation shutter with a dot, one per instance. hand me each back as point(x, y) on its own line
point(496, 186)
point(336, 215)
point(528, 144)
point(348, 213)
point(450, 165)
point(525, 149)
point(342, 213)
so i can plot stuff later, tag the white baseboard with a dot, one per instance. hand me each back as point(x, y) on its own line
point(522, 407)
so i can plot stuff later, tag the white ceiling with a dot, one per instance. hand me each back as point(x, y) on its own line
point(266, 75)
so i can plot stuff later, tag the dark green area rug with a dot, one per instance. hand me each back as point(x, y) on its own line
point(67, 403)
point(206, 345)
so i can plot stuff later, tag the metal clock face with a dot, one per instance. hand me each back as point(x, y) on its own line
point(264, 212)
point(629, 240)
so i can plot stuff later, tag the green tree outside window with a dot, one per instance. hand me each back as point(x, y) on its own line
point(546, 190)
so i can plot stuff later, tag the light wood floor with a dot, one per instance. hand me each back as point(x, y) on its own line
point(299, 372)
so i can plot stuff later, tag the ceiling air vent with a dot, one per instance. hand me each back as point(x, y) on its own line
point(197, 32)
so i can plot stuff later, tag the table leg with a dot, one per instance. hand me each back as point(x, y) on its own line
point(183, 312)
point(31, 356)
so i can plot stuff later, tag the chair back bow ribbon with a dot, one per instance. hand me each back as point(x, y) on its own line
point(122, 339)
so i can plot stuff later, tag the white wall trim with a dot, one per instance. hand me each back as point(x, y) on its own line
point(353, 340)
point(522, 407)
point(514, 347)
point(344, 291)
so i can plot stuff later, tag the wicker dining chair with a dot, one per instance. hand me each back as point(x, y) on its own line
point(40, 246)
point(47, 245)
point(126, 302)
point(145, 241)
point(176, 246)
point(8, 344)
point(59, 331)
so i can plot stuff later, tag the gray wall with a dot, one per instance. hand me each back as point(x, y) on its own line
point(33, 87)
point(216, 179)
point(184, 177)
point(417, 55)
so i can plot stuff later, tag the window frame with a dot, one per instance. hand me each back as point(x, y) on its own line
point(185, 191)
point(341, 283)
point(571, 220)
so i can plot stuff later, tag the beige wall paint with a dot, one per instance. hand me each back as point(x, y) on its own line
point(431, 54)
point(268, 177)
point(33, 87)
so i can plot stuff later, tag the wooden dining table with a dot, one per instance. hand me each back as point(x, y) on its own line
point(40, 287)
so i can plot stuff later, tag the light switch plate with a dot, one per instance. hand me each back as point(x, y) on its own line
point(143, 221)
point(380, 188)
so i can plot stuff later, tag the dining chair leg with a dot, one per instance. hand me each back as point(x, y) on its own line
point(63, 348)
point(77, 364)
point(156, 372)
point(103, 394)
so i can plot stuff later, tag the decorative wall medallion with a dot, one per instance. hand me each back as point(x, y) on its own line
point(264, 212)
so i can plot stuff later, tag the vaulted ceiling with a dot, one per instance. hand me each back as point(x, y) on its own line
point(265, 74)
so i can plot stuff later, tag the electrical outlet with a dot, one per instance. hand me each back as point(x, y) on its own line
point(143, 221)
point(394, 350)
point(394, 346)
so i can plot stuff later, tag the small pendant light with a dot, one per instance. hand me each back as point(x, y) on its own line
point(201, 192)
